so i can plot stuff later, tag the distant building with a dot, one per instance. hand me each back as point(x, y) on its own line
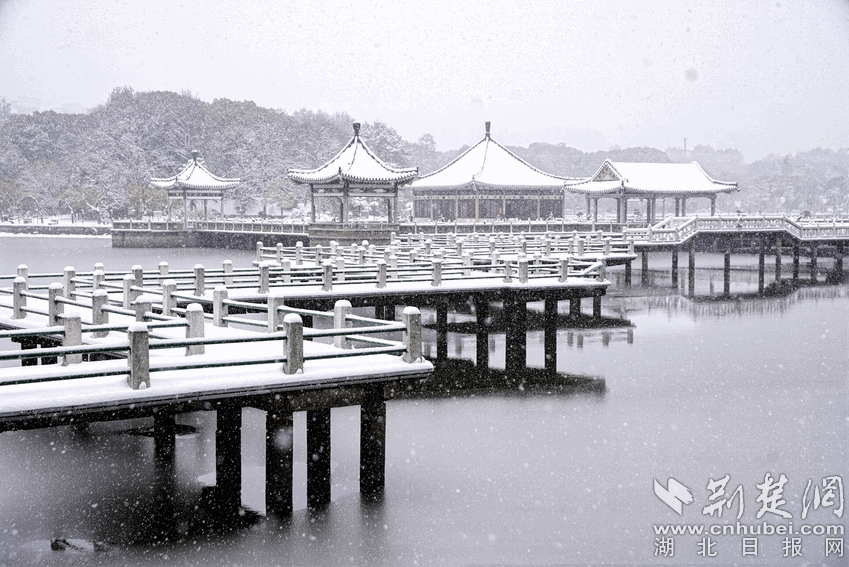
point(354, 172)
point(649, 182)
point(488, 181)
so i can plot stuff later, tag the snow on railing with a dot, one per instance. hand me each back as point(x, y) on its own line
point(140, 341)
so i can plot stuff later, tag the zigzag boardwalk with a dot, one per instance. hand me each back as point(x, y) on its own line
point(102, 346)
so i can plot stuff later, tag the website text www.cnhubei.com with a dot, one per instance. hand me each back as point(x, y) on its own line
point(738, 529)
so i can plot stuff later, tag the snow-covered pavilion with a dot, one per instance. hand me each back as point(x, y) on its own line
point(649, 182)
point(194, 183)
point(488, 181)
point(355, 172)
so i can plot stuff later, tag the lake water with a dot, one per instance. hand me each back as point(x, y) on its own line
point(694, 389)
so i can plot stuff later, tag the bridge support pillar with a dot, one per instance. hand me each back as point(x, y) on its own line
point(726, 272)
point(164, 455)
point(795, 262)
point(373, 444)
point(442, 330)
point(644, 267)
point(318, 458)
point(574, 307)
point(550, 338)
point(515, 313)
point(278, 462)
point(814, 253)
point(228, 461)
point(761, 266)
point(628, 272)
point(838, 266)
point(482, 347)
point(596, 307)
point(778, 245)
point(675, 268)
point(691, 268)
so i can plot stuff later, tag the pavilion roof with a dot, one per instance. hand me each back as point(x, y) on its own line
point(489, 164)
point(678, 179)
point(194, 175)
point(355, 163)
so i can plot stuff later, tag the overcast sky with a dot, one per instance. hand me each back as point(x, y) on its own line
point(761, 76)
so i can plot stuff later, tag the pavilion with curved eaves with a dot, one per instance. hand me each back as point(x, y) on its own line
point(355, 172)
point(648, 182)
point(488, 181)
point(194, 183)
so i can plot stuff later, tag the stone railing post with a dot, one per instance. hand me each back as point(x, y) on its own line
point(327, 276)
point(508, 272)
point(142, 307)
point(341, 310)
point(319, 254)
point(23, 272)
point(293, 346)
point(163, 268)
point(606, 246)
point(361, 255)
point(97, 278)
point(631, 244)
point(259, 251)
point(286, 267)
point(219, 308)
point(381, 274)
point(129, 295)
point(564, 270)
point(523, 270)
point(68, 281)
point(263, 277)
point(278, 252)
point(299, 253)
point(602, 272)
point(138, 359)
point(73, 336)
point(580, 251)
point(194, 327)
point(436, 274)
point(169, 302)
point(467, 261)
point(412, 319)
point(275, 301)
point(427, 244)
point(54, 307)
point(138, 275)
point(200, 283)
point(340, 266)
point(19, 300)
point(99, 316)
point(227, 266)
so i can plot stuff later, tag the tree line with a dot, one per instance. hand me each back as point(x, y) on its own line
point(89, 164)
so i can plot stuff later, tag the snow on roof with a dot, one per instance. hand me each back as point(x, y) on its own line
point(651, 178)
point(195, 176)
point(354, 163)
point(489, 164)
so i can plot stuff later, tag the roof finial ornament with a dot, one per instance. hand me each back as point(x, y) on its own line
point(487, 129)
point(195, 155)
point(356, 128)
